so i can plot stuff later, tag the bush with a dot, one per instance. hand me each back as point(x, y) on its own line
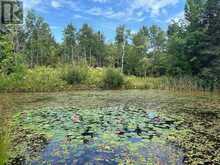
point(39, 79)
point(95, 77)
point(12, 64)
point(113, 79)
point(76, 75)
point(43, 79)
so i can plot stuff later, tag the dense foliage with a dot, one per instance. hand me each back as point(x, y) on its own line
point(189, 48)
point(76, 75)
point(112, 79)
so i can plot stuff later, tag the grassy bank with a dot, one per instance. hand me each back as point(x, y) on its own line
point(47, 79)
point(4, 144)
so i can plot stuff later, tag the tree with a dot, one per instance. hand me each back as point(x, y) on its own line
point(211, 42)
point(136, 53)
point(121, 38)
point(16, 36)
point(193, 13)
point(85, 38)
point(8, 58)
point(158, 45)
point(100, 49)
point(39, 42)
point(178, 65)
point(111, 55)
point(157, 39)
point(6, 48)
point(69, 44)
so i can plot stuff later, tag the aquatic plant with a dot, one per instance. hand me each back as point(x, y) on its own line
point(191, 124)
point(124, 131)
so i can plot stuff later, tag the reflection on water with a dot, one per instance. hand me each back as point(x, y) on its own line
point(93, 154)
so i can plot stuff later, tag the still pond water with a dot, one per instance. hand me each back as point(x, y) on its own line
point(111, 127)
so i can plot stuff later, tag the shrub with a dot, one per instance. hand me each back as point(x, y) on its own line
point(12, 64)
point(39, 79)
point(76, 75)
point(43, 79)
point(95, 77)
point(113, 79)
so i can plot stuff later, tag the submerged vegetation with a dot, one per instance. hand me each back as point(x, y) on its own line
point(119, 126)
point(111, 131)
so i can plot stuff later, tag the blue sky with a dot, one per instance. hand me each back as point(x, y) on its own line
point(106, 15)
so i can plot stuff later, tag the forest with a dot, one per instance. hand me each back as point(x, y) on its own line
point(187, 51)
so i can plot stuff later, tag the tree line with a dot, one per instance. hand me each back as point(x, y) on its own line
point(190, 46)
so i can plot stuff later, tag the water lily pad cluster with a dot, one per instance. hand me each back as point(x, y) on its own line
point(201, 138)
point(118, 134)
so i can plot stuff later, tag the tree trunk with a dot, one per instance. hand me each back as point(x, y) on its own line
point(72, 54)
point(90, 57)
point(122, 58)
point(85, 56)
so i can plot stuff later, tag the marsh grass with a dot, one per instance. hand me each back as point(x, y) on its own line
point(167, 83)
point(67, 77)
point(4, 145)
point(39, 79)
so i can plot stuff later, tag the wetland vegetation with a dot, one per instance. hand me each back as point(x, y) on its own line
point(113, 127)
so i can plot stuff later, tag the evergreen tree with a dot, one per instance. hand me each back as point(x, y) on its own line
point(85, 38)
point(69, 44)
point(211, 42)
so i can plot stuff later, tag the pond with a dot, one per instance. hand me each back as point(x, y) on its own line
point(111, 127)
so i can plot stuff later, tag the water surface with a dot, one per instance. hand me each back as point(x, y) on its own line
point(112, 127)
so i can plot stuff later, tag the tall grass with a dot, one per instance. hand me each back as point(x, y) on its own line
point(95, 77)
point(39, 79)
point(184, 83)
point(4, 145)
point(46, 79)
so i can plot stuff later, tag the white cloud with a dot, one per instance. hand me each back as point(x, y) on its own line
point(176, 17)
point(100, 1)
point(37, 5)
point(123, 16)
point(55, 4)
point(134, 10)
point(126, 10)
point(155, 7)
point(55, 27)
point(77, 16)
point(29, 4)
point(108, 13)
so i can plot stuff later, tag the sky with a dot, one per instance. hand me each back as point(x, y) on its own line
point(106, 15)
